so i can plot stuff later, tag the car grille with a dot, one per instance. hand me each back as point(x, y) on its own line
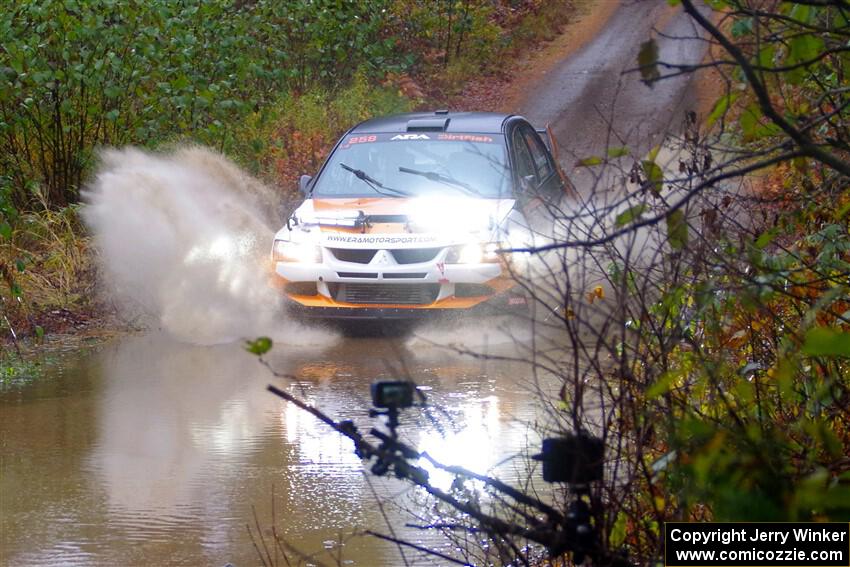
point(410, 276)
point(401, 255)
point(355, 255)
point(414, 255)
point(396, 294)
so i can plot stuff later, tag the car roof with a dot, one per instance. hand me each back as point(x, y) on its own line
point(439, 121)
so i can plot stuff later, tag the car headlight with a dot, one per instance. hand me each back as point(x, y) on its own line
point(473, 254)
point(286, 251)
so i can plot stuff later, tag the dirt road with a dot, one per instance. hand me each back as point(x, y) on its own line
point(593, 99)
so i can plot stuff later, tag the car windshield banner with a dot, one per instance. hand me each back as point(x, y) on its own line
point(357, 139)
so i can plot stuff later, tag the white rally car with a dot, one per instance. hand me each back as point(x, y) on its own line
point(407, 214)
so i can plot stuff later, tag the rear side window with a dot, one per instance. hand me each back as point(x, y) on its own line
point(524, 162)
point(538, 153)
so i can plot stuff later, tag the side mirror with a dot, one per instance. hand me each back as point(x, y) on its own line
point(304, 184)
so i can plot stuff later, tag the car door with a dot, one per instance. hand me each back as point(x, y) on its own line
point(536, 178)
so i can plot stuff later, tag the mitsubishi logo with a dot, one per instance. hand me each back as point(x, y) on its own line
point(382, 258)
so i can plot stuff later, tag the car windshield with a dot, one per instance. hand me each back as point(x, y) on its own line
point(417, 164)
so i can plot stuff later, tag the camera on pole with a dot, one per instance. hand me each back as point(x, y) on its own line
point(577, 461)
point(390, 396)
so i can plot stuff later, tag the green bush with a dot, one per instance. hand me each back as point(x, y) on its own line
point(77, 74)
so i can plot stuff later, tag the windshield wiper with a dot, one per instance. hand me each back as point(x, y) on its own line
point(440, 178)
point(372, 182)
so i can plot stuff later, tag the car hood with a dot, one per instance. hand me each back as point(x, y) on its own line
point(401, 221)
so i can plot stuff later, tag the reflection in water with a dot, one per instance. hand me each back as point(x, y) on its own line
point(474, 447)
point(319, 447)
point(169, 413)
point(154, 452)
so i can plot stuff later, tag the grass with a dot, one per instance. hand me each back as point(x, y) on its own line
point(55, 270)
point(57, 260)
point(15, 370)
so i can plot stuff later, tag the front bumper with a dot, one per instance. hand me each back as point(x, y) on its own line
point(383, 289)
point(506, 303)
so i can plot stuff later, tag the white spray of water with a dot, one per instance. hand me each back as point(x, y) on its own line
point(184, 239)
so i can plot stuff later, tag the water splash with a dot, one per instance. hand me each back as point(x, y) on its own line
point(183, 238)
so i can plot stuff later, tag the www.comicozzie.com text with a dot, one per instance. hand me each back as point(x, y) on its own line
point(758, 534)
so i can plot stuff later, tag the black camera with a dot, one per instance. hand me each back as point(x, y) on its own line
point(575, 459)
point(392, 394)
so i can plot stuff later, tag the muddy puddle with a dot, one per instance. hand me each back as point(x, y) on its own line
point(147, 451)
